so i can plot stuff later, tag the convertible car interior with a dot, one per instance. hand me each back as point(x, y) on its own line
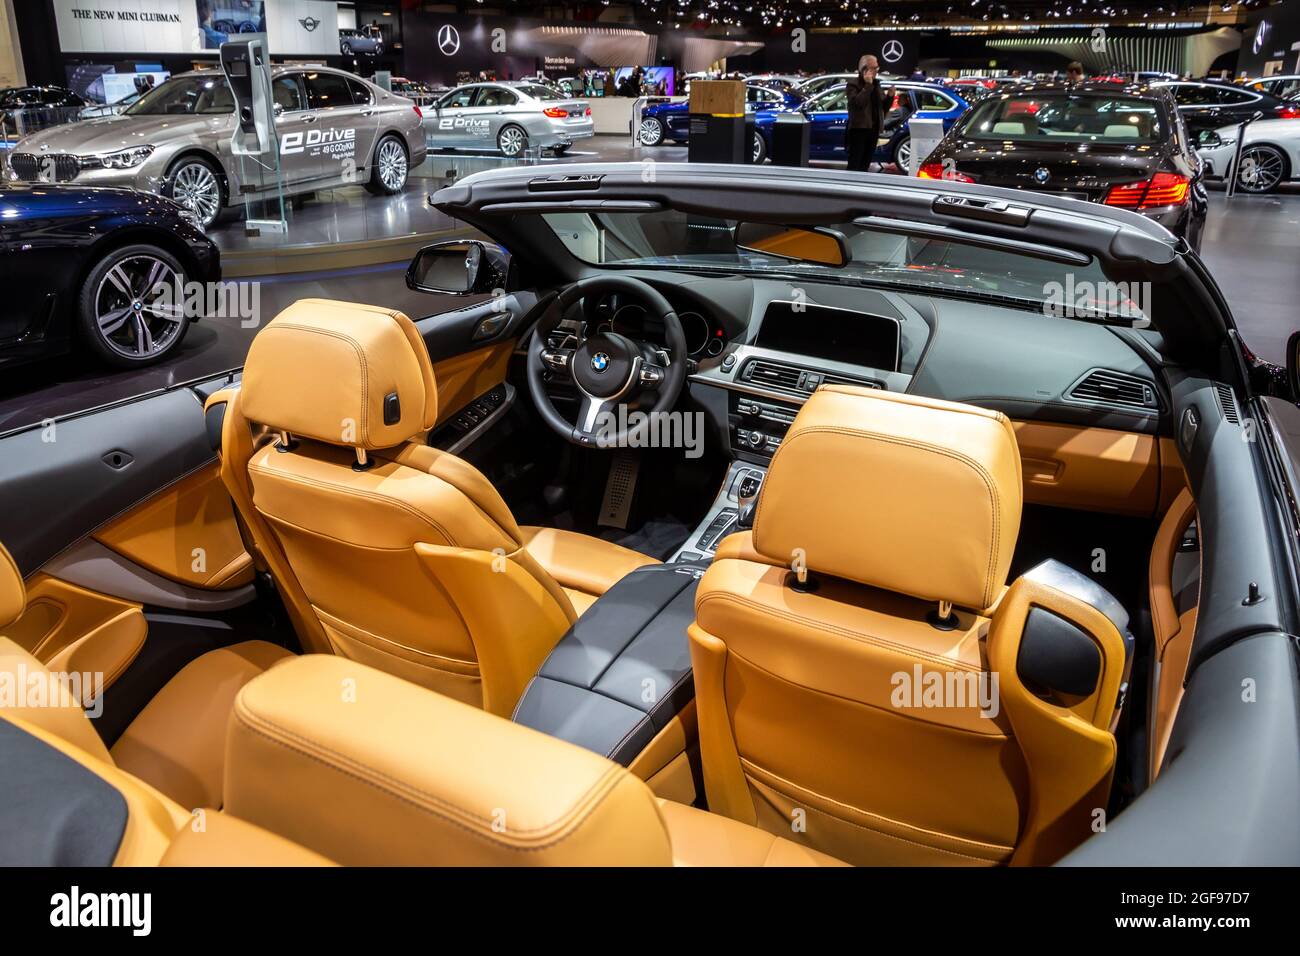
point(686, 541)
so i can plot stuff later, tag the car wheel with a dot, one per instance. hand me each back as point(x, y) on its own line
point(390, 168)
point(903, 155)
point(131, 309)
point(1262, 169)
point(651, 131)
point(758, 150)
point(345, 49)
point(512, 141)
point(196, 185)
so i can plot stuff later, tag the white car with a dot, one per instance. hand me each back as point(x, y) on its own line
point(509, 117)
point(1270, 156)
point(1285, 85)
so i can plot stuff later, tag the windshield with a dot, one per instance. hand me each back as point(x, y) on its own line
point(671, 238)
point(1066, 117)
point(186, 95)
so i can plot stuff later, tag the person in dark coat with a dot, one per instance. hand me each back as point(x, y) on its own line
point(867, 108)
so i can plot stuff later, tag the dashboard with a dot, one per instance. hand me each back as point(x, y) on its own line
point(705, 337)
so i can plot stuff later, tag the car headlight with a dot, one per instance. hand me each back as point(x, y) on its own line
point(125, 158)
point(1228, 141)
point(191, 217)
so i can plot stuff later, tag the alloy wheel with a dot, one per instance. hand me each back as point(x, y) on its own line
point(196, 188)
point(392, 165)
point(140, 306)
point(903, 155)
point(651, 132)
point(511, 141)
point(1261, 169)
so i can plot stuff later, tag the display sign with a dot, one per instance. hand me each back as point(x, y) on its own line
point(300, 27)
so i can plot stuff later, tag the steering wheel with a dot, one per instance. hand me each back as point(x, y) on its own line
point(608, 369)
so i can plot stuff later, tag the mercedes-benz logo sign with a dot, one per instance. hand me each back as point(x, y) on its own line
point(892, 51)
point(1261, 35)
point(309, 23)
point(599, 362)
point(448, 40)
point(1041, 175)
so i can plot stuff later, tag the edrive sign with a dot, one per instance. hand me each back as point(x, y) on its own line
point(299, 140)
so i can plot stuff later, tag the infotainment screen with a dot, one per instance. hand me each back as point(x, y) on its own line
point(838, 334)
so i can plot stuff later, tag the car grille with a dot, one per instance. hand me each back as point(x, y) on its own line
point(29, 167)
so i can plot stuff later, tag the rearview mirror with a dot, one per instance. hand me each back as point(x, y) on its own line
point(818, 245)
point(458, 267)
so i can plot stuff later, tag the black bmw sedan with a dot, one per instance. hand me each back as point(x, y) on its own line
point(1124, 146)
point(112, 270)
point(1205, 105)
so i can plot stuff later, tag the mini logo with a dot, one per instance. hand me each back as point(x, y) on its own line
point(309, 23)
point(1041, 175)
point(448, 40)
point(599, 362)
point(892, 51)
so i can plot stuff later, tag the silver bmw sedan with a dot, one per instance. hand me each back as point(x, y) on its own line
point(507, 116)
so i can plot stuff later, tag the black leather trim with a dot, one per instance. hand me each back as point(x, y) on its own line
point(53, 811)
point(623, 670)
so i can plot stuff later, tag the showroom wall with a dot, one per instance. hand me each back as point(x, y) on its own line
point(1272, 39)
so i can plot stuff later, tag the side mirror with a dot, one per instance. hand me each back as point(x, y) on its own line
point(1208, 139)
point(1293, 365)
point(458, 267)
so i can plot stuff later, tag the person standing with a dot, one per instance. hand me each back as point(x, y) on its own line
point(866, 104)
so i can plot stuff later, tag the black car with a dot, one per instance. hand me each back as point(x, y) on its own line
point(1212, 105)
point(108, 268)
point(1124, 146)
point(28, 108)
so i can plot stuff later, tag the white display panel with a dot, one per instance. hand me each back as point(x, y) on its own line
point(303, 27)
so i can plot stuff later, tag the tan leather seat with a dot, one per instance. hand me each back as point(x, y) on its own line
point(1174, 606)
point(177, 743)
point(386, 550)
point(844, 712)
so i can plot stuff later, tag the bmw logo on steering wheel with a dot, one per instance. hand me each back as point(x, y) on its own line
point(599, 362)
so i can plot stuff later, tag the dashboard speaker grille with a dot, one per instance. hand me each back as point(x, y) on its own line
point(1104, 387)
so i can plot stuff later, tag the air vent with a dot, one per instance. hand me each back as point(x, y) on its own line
point(1228, 402)
point(772, 374)
point(841, 380)
point(1104, 387)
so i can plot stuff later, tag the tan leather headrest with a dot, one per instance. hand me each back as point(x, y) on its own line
point(900, 492)
point(13, 596)
point(327, 370)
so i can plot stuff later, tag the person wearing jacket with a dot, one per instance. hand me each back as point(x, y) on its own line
point(866, 105)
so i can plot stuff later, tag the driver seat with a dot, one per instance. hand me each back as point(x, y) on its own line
point(386, 550)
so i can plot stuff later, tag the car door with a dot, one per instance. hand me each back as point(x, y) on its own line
point(829, 115)
point(488, 113)
point(449, 123)
point(293, 122)
point(1199, 103)
point(367, 122)
point(329, 98)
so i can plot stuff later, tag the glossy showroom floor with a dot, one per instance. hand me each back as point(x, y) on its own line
point(1251, 245)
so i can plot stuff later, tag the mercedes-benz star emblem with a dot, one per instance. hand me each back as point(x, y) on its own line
point(448, 40)
point(599, 362)
point(1261, 36)
point(1041, 175)
point(892, 51)
point(309, 23)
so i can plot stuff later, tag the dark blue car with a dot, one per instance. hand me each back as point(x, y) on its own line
point(671, 121)
point(828, 113)
point(111, 269)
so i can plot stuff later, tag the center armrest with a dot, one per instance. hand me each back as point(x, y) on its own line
point(368, 769)
point(623, 670)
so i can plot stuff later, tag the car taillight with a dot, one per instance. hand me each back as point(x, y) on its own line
point(936, 171)
point(554, 112)
point(1162, 189)
point(418, 112)
point(588, 111)
point(1288, 112)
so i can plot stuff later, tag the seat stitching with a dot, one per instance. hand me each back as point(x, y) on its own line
point(860, 636)
point(582, 808)
point(357, 493)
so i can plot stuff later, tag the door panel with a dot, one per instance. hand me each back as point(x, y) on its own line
point(463, 378)
point(76, 630)
point(294, 124)
point(187, 533)
point(335, 138)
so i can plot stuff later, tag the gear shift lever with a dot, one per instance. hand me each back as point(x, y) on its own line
point(747, 496)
